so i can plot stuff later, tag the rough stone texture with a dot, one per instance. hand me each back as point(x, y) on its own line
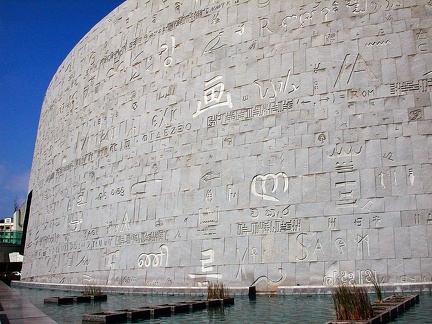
point(275, 142)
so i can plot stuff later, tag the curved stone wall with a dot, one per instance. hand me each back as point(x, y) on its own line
point(267, 142)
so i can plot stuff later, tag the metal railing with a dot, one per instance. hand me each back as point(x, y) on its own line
point(11, 237)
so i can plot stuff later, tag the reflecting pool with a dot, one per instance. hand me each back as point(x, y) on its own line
point(264, 309)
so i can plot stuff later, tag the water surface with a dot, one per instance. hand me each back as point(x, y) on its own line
point(264, 309)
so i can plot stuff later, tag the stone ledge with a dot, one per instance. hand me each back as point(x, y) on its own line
point(234, 291)
point(385, 288)
point(190, 291)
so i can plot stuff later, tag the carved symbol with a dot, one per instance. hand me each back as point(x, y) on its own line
point(254, 213)
point(140, 187)
point(241, 30)
point(136, 62)
point(284, 21)
point(344, 167)
point(74, 225)
point(207, 260)
point(326, 10)
point(81, 200)
point(380, 43)
point(262, 3)
point(361, 241)
point(84, 261)
point(359, 65)
point(270, 281)
point(208, 218)
point(263, 178)
point(358, 221)
point(317, 68)
point(305, 252)
point(307, 16)
point(340, 151)
point(209, 196)
point(213, 92)
point(368, 205)
point(213, 44)
point(231, 194)
point(254, 254)
point(376, 220)
point(276, 87)
point(154, 259)
point(340, 244)
point(415, 114)
point(411, 176)
point(165, 48)
point(388, 156)
point(381, 175)
point(263, 24)
point(241, 269)
point(209, 176)
point(216, 19)
point(331, 222)
point(321, 138)
point(158, 223)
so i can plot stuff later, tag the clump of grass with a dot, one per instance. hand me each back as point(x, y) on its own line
point(377, 287)
point(92, 290)
point(352, 303)
point(217, 291)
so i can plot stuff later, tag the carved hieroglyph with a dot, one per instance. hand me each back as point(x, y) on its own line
point(276, 142)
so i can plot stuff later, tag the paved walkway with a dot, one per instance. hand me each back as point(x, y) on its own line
point(15, 309)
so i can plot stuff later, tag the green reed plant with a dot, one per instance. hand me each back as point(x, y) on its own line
point(352, 303)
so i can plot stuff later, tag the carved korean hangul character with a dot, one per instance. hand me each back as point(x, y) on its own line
point(242, 229)
point(284, 226)
point(248, 113)
point(241, 114)
point(266, 226)
point(296, 224)
point(265, 110)
point(228, 116)
point(273, 107)
point(136, 238)
point(395, 88)
point(277, 226)
point(255, 227)
point(256, 111)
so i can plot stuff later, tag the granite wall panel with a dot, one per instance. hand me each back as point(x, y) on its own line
point(249, 142)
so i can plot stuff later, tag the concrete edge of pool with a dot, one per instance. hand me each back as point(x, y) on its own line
point(16, 309)
point(234, 291)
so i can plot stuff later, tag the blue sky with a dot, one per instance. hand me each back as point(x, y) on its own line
point(35, 37)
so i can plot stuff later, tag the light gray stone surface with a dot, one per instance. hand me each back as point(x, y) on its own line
point(259, 142)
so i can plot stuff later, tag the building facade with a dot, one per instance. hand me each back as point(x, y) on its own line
point(273, 143)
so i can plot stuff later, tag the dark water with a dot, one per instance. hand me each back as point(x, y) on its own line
point(274, 309)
